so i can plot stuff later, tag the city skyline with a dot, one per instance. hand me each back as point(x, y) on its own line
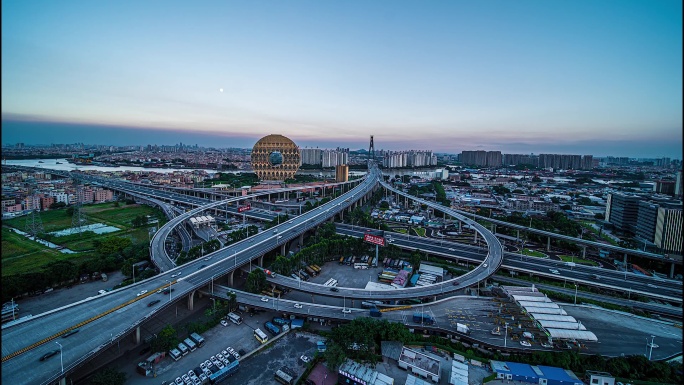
point(526, 77)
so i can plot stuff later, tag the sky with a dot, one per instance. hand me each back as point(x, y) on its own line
point(600, 77)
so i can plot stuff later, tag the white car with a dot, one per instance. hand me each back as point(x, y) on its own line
point(525, 343)
point(264, 299)
point(208, 364)
point(179, 381)
point(224, 323)
point(554, 271)
point(298, 306)
point(652, 285)
point(305, 359)
point(346, 311)
point(174, 275)
point(220, 365)
point(450, 249)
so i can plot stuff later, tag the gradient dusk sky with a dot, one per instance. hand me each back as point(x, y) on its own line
point(526, 76)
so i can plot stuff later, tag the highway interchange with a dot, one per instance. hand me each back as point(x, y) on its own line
point(90, 340)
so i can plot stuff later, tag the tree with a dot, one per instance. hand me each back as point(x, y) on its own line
point(600, 216)
point(384, 205)
point(112, 245)
point(109, 376)
point(166, 339)
point(334, 356)
point(256, 281)
point(70, 211)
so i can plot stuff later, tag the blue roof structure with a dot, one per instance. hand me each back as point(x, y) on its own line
point(532, 374)
point(557, 374)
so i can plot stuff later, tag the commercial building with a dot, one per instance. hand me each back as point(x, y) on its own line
point(419, 364)
point(358, 374)
point(532, 374)
point(341, 173)
point(622, 211)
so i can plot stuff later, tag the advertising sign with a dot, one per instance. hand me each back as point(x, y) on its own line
point(374, 239)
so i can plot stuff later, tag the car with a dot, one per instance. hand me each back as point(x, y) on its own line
point(346, 311)
point(70, 332)
point(203, 365)
point(207, 258)
point(191, 374)
point(264, 299)
point(231, 350)
point(485, 265)
point(220, 365)
point(525, 343)
point(554, 271)
point(49, 354)
point(203, 378)
point(298, 306)
point(450, 249)
point(305, 359)
point(225, 353)
point(455, 283)
point(208, 363)
point(156, 301)
point(236, 355)
point(334, 289)
point(224, 323)
point(652, 285)
point(102, 292)
point(185, 378)
point(179, 381)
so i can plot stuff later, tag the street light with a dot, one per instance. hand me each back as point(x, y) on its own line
point(506, 334)
point(651, 345)
point(62, 362)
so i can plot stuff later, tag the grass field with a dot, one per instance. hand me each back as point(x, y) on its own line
point(21, 255)
point(420, 231)
point(569, 258)
point(533, 253)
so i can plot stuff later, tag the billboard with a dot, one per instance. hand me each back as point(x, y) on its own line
point(374, 239)
point(244, 208)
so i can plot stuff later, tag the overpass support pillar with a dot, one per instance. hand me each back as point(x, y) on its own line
point(191, 300)
point(301, 240)
point(342, 215)
point(232, 274)
point(261, 260)
point(548, 244)
point(62, 381)
point(672, 270)
point(434, 299)
point(137, 335)
point(475, 239)
point(624, 260)
point(283, 249)
point(584, 252)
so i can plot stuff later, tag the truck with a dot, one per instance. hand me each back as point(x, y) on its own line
point(374, 312)
point(461, 328)
point(423, 318)
point(280, 321)
point(270, 273)
point(272, 328)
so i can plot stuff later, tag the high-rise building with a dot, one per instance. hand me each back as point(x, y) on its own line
point(668, 232)
point(311, 156)
point(341, 173)
point(678, 185)
point(481, 158)
point(622, 211)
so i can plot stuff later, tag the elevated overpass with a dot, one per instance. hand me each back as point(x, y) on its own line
point(121, 311)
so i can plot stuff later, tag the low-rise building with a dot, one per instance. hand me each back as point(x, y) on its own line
point(419, 364)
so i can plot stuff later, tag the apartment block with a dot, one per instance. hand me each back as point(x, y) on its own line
point(668, 231)
point(341, 173)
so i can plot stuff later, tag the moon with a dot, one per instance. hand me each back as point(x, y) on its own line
point(221, 90)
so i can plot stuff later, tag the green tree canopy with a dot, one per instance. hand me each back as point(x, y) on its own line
point(109, 376)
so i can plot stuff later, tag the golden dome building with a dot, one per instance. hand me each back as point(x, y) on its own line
point(275, 157)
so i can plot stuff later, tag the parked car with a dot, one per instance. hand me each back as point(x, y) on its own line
point(49, 354)
point(224, 323)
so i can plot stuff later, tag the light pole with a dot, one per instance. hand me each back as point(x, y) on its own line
point(61, 362)
point(505, 334)
point(651, 345)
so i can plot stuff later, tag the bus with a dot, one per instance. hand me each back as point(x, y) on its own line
point(260, 336)
point(272, 328)
point(304, 275)
point(190, 344)
point(330, 282)
point(283, 377)
point(361, 266)
point(198, 339)
point(317, 268)
point(310, 271)
point(234, 318)
point(175, 354)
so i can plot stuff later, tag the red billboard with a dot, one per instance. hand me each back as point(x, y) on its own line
point(244, 208)
point(374, 239)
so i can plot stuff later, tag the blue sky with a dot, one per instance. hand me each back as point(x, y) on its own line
point(587, 76)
